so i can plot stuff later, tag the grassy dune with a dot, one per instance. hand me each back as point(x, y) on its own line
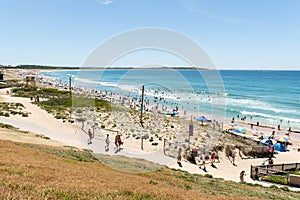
point(40, 172)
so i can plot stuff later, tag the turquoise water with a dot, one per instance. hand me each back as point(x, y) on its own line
point(270, 97)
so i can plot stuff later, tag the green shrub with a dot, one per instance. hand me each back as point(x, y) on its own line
point(57, 116)
point(153, 182)
point(208, 176)
point(19, 105)
point(275, 179)
point(285, 189)
point(24, 114)
point(13, 112)
point(6, 126)
point(274, 187)
point(296, 172)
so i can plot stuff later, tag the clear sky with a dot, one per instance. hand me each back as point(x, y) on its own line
point(236, 34)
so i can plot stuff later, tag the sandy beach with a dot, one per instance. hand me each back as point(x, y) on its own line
point(158, 128)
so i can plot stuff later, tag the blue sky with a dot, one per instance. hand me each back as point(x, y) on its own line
point(236, 34)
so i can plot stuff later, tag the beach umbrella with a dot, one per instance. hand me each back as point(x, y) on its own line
point(232, 124)
point(242, 130)
point(266, 136)
point(235, 131)
point(281, 139)
point(267, 142)
point(286, 137)
point(204, 119)
point(279, 147)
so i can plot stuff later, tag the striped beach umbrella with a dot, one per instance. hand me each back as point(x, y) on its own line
point(281, 139)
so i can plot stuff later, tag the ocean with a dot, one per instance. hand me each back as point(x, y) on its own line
point(269, 97)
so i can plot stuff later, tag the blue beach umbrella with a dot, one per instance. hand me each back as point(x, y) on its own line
point(204, 119)
point(279, 147)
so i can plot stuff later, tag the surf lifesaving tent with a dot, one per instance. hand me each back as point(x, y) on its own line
point(279, 147)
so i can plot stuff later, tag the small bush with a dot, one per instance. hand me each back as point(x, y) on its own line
point(13, 112)
point(24, 114)
point(208, 176)
point(274, 187)
point(153, 182)
point(6, 126)
point(275, 179)
point(285, 189)
point(19, 105)
point(57, 117)
point(296, 172)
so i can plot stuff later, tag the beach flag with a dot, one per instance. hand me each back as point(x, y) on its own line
point(191, 129)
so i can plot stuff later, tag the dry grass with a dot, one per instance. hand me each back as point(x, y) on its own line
point(41, 172)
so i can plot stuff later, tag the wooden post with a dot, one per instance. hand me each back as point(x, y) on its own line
point(142, 106)
point(165, 141)
point(70, 85)
point(142, 143)
point(190, 131)
point(141, 117)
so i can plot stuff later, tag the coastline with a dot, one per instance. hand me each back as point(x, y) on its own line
point(203, 99)
point(132, 145)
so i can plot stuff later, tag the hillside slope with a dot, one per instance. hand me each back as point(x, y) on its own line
point(44, 172)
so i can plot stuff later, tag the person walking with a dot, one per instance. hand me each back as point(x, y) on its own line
point(107, 143)
point(233, 157)
point(90, 136)
point(242, 175)
point(212, 158)
point(117, 142)
point(179, 158)
point(203, 164)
